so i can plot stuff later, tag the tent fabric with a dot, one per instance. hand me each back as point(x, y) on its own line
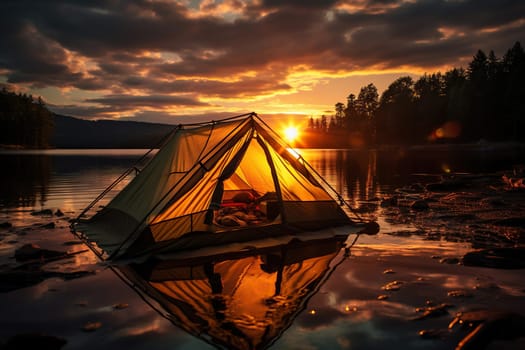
point(176, 197)
point(243, 302)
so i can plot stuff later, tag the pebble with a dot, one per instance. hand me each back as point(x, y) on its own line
point(91, 326)
point(120, 306)
point(454, 261)
point(460, 294)
point(433, 311)
point(392, 286)
point(432, 333)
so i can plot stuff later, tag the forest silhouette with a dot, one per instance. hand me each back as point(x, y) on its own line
point(24, 121)
point(484, 102)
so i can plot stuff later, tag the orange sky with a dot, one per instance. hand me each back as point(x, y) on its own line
point(172, 61)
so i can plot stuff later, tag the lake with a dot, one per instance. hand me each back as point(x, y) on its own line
point(320, 298)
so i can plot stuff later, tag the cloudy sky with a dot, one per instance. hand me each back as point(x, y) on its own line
point(168, 60)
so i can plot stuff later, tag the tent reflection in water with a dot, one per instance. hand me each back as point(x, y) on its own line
point(245, 302)
point(212, 184)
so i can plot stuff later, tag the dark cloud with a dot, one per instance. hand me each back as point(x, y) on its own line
point(158, 101)
point(162, 47)
point(86, 111)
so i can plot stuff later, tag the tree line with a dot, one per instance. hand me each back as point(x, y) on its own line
point(486, 101)
point(24, 121)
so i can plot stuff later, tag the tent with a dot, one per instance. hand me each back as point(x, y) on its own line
point(243, 302)
point(211, 184)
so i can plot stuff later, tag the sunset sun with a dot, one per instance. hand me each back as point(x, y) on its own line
point(291, 133)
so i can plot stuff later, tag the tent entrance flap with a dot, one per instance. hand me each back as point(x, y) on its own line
point(251, 189)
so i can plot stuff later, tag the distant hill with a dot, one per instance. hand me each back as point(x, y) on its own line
point(72, 132)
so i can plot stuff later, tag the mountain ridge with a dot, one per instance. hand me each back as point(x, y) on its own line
point(71, 132)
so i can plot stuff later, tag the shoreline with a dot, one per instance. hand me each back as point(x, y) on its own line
point(475, 146)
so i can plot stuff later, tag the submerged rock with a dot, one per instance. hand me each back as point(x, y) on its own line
point(488, 325)
point(499, 258)
point(392, 286)
point(48, 226)
point(44, 212)
point(433, 333)
point(460, 294)
point(34, 341)
point(433, 311)
point(18, 279)
point(34, 252)
point(6, 225)
point(452, 261)
point(511, 222)
point(419, 204)
point(91, 326)
point(389, 202)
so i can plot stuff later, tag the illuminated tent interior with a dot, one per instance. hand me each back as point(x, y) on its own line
point(211, 184)
point(245, 302)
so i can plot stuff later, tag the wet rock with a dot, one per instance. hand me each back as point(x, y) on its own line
point(370, 228)
point(494, 202)
point(488, 325)
point(452, 261)
point(460, 294)
point(388, 271)
point(457, 217)
point(499, 258)
point(6, 225)
point(511, 222)
point(44, 212)
point(59, 213)
point(419, 205)
point(432, 333)
point(392, 286)
point(433, 311)
point(34, 252)
point(70, 243)
point(382, 297)
point(34, 341)
point(487, 286)
point(49, 226)
point(456, 182)
point(120, 306)
point(444, 186)
point(389, 202)
point(402, 233)
point(91, 326)
point(413, 188)
point(17, 279)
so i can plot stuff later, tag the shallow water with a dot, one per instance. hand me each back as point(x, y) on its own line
point(337, 309)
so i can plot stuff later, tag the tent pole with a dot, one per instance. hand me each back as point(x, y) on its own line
point(275, 178)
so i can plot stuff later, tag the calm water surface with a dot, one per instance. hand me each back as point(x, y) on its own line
point(71, 179)
point(326, 291)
